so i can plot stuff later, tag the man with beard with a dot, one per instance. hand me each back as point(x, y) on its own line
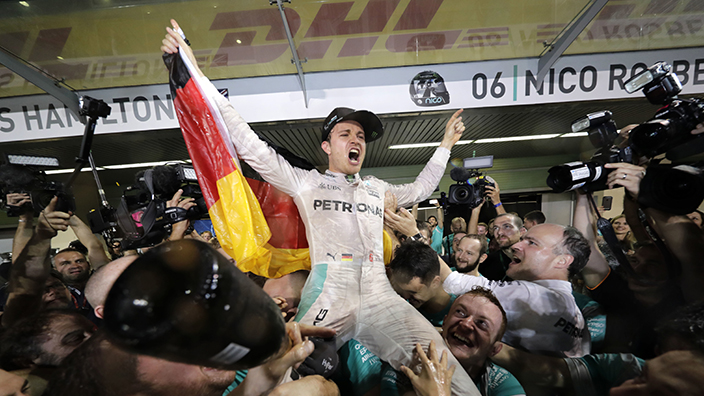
point(436, 227)
point(415, 275)
point(470, 253)
point(457, 225)
point(451, 259)
point(508, 229)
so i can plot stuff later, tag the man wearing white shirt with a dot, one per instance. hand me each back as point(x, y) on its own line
point(542, 314)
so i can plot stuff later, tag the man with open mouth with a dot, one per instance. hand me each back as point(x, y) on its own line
point(472, 330)
point(543, 316)
point(347, 288)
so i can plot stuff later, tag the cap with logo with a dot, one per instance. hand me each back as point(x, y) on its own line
point(371, 124)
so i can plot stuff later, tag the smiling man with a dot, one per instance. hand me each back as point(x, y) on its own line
point(469, 253)
point(473, 330)
point(507, 230)
point(347, 288)
point(543, 316)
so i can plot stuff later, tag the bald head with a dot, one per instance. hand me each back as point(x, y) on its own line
point(102, 280)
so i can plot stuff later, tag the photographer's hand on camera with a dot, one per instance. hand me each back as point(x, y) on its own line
point(625, 133)
point(178, 230)
point(52, 221)
point(19, 201)
point(627, 176)
point(699, 129)
point(493, 193)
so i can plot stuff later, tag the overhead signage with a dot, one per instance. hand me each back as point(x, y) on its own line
point(275, 98)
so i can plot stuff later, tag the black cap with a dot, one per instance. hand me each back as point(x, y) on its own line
point(371, 124)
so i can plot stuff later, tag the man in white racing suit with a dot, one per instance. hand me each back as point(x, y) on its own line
point(347, 288)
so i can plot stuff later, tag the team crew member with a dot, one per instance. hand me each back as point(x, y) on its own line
point(347, 288)
point(472, 330)
point(543, 316)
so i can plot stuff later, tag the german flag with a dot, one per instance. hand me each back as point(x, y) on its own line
point(242, 228)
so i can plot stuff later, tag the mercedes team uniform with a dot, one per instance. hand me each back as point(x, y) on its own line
point(594, 375)
point(347, 288)
point(494, 381)
point(543, 316)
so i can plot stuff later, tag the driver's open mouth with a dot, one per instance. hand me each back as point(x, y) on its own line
point(354, 154)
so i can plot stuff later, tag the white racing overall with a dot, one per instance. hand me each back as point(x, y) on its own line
point(347, 288)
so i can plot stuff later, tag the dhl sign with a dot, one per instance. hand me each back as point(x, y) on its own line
point(119, 47)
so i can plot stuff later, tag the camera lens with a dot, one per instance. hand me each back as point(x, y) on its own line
point(460, 193)
point(574, 175)
point(647, 138)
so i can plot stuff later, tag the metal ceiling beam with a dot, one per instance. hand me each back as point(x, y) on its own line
point(48, 84)
point(296, 60)
point(558, 47)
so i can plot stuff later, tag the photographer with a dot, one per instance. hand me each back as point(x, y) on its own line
point(636, 301)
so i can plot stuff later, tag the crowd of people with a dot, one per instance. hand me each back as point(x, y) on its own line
point(392, 304)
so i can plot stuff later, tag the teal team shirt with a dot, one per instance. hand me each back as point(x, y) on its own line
point(436, 319)
point(594, 316)
point(594, 375)
point(437, 240)
point(496, 381)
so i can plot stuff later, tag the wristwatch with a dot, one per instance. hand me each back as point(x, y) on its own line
point(417, 237)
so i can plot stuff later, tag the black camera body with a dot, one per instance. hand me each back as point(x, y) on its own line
point(46, 190)
point(676, 189)
point(142, 219)
point(93, 108)
point(26, 180)
point(591, 175)
point(465, 193)
point(669, 130)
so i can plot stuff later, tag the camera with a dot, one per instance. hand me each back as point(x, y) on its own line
point(591, 175)
point(142, 219)
point(465, 193)
point(21, 174)
point(93, 108)
point(676, 189)
point(669, 130)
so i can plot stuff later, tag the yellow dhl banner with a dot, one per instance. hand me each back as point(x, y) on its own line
point(99, 48)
